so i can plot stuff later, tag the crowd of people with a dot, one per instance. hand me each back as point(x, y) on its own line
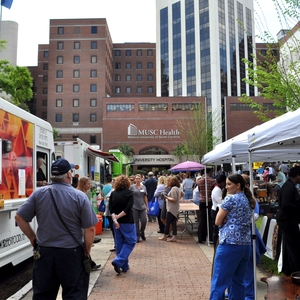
point(227, 208)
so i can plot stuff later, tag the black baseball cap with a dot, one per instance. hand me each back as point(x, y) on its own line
point(60, 167)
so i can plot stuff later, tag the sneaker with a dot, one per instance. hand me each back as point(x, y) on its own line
point(96, 267)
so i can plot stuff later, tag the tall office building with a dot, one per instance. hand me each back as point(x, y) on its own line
point(201, 45)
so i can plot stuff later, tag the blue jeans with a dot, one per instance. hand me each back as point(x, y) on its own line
point(188, 194)
point(125, 239)
point(229, 270)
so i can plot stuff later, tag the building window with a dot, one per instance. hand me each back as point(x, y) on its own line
point(139, 90)
point(75, 102)
point(139, 65)
point(77, 30)
point(46, 54)
point(117, 52)
point(59, 74)
point(150, 90)
point(93, 102)
point(93, 59)
point(263, 52)
point(93, 117)
point(128, 90)
point(117, 66)
point(60, 45)
point(45, 78)
point(185, 106)
point(92, 139)
point(75, 117)
point(149, 65)
point(44, 102)
point(76, 73)
point(45, 91)
point(60, 60)
point(149, 52)
point(139, 77)
point(59, 103)
point(117, 77)
point(58, 118)
point(128, 52)
point(93, 88)
point(117, 90)
point(45, 66)
point(76, 88)
point(76, 59)
point(128, 66)
point(128, 77)
point(94, 29)
point(153, 106)
point(93, 73)
point(76, 45)
point(139, 52)
point(59, 88)
point(44, 115)
point(150, 77)
point(241, 107)
point(60, 30)
point(94, 45)
point(119, 107)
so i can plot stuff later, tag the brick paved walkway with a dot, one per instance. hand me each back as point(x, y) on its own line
point(158, 270)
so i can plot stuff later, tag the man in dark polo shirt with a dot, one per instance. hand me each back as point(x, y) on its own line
point(61, 257)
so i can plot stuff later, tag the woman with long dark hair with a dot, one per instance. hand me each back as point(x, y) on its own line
point(120, 206)
point(233, 252)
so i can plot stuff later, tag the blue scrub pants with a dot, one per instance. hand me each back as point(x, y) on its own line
point(125, 239)
point(229, 270)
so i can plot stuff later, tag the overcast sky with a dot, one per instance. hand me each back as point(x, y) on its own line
point(128, 20)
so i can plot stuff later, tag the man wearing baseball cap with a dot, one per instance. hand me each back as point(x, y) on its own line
point(59, 255)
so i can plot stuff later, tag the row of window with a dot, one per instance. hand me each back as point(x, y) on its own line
point(76, 102)
point(76, 46)
point(123, 107)
point(247, 107)
point(77, 30)
point(75, 118)
point(76, 74)
point(139, 77)
point(139, 90)
point(76, 59)
point(128, 66)
point(76, 88)
point(128, 52)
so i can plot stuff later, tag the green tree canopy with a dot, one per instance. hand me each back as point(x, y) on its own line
point(277, 79)
point(126, 149)
point(16, 82)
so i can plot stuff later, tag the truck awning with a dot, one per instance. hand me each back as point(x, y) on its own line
point(106, 155)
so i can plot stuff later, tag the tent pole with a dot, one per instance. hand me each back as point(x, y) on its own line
point(206, 197)
point(253, 233)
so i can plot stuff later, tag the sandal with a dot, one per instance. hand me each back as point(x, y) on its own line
point(162, 238)
point(172, 240)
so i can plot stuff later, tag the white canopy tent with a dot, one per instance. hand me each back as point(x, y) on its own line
point(277, 139)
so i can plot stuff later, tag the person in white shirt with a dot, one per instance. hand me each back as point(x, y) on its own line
point(217, 197)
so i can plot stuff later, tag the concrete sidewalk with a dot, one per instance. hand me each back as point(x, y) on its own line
point(158, 270)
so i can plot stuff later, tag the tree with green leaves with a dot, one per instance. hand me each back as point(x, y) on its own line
point(126, 149)
point(16, 82)
point(197, 134)
point(277, 79)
